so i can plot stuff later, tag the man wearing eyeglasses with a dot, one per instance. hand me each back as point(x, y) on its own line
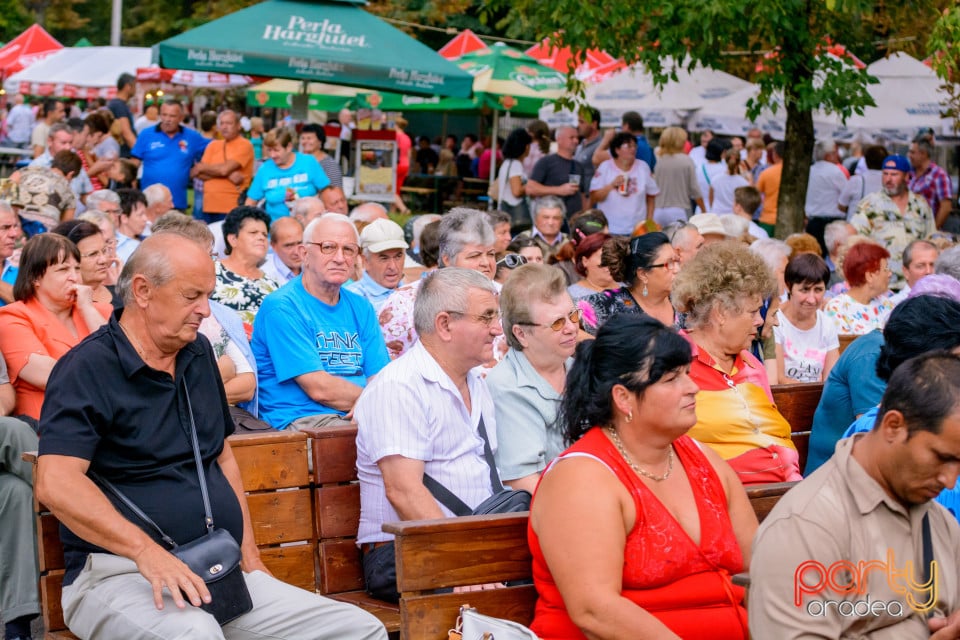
point(317, 344)
point(427, 413)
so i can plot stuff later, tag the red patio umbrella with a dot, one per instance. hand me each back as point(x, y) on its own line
point(594, 64)
point(463, 43)
point(30, 46)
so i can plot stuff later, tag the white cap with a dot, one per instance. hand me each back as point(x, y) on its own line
point(381, 235)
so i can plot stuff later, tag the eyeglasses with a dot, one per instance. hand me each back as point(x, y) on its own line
point(329, 248)
point(559, 323)
point(669, 264)
point(96, 254)
point(486, 319)
point(512, 261)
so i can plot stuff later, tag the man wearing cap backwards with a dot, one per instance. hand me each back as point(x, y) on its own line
point(383, 255)
point(894, 216)
point(317, 344)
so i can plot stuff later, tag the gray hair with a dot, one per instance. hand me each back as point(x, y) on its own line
point(329, 217)
point(822, 148)
point(152, 262)
point(735, 226)
point(462, 226)
point(446, 290)
point(924, 143)
point(909, 249)
point(157, 192)
point(368, 212)
point(949, 263)
point(6, 206)
point(97, 217)
point(772, 251)
point(679, 233)
point(835, 233)
point(301, 206)
point(57, 128)
point(548, 202)
point(225, 111)
point(419, 223)
point(527, 285)
point(102, 195)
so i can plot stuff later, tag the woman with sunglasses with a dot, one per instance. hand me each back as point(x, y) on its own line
point(95, 259)
point(541, 324)
point(647, 266)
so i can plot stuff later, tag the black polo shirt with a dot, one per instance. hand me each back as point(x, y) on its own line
point(105, 405)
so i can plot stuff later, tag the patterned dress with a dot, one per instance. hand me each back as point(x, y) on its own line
point(244, 295)
point(879, 218)
point(853, 318)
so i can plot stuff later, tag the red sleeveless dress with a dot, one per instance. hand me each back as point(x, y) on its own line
point(687, 588)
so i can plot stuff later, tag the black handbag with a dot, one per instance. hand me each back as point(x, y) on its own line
point(502, 501)
point(215, 556)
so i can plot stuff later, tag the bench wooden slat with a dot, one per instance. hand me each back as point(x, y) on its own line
point(271, 461)
point(338, 510)
point(51, 587)
point(281, 516)
point(49, 548)
point(293, 564)
point(763, 497)
point(340, 566)
point(797, 403)
point(334, 453)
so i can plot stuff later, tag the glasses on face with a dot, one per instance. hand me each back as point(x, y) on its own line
point(511, 261)
point(329, 248)
point(96, 254)
point(486, 319)
point(669, 264)
point(559, 323)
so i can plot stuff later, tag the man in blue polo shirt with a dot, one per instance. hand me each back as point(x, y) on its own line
point(168, 151)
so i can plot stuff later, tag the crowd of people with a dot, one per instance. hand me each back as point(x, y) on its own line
point(605, 340)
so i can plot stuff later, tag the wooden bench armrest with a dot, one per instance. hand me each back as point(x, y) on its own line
point(456, 525)
point(769, 489)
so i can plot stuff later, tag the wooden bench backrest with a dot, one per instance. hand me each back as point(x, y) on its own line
point(845, 340)
point(797, 403)
point(274, 471)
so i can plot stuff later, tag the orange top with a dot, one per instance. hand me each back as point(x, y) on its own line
point(219, 194)
point(29, 327)
point(769, 185)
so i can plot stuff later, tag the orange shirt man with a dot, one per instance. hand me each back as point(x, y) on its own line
point(769, 186)
point(226, 168)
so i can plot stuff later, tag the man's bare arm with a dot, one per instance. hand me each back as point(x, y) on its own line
point(403, 481)
point(329, 390)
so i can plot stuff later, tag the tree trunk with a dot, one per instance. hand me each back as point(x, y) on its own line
point(797, 157)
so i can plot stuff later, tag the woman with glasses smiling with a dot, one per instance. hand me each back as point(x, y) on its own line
point(647, 266)
point(95, 259)
point(541, 324)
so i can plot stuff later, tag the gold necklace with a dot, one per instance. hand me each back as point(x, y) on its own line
point(130, 336)
point(633, 465)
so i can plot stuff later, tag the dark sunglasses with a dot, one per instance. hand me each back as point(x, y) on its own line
point(512, 261)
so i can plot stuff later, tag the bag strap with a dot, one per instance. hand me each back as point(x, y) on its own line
point(447, 498)
point(137, 511)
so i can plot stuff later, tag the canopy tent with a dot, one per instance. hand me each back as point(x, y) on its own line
point(29, 47)
point(463, 43)
point(592, 66)
point(79, 72)
point(331, 41)
point(908, 99)
point(278, 93)
point(727, 116)
point(195, 79)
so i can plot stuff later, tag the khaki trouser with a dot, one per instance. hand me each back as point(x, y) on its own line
point(18, 552)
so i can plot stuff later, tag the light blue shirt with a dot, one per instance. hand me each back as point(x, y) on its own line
point(305, 176)
point(233, 325)
point(372, 290)
point(526, 409)
point(9, 275)
point(275, 269)
point(126, 246)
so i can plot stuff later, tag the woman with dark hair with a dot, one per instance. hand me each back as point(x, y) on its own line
point(660, 523)
point(527, 248)
point(647, 266)
point(241, 284)
point(721, 290)
point(540, 135)
point(593, 270)
point(512, 180)
point(723, 186)
point(95, 258)
point(582, 224)
point(286, 176)
point(806, 340)
point(928, 320)
point(866, 305)
point(53, 312)
point(623, 188)
point(312, 140)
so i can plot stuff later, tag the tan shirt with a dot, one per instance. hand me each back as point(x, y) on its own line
point(841, 513)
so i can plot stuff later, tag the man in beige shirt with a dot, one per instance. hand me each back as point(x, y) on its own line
point(842, 555)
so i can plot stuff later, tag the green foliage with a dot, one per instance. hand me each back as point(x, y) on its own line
point(944, 49)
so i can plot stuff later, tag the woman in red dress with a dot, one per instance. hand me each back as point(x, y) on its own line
point(637, 529)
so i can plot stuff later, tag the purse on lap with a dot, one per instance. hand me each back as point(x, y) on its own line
point(215, 557)
point(472, 625)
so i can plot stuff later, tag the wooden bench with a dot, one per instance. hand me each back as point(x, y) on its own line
point(797, 403)
point(433, 555)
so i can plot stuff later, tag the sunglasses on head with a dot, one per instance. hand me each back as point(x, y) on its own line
point(512, 261)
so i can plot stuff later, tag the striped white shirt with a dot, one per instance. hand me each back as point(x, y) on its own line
point(413, 409)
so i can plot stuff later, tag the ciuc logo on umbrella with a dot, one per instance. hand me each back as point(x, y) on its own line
point(531, 78)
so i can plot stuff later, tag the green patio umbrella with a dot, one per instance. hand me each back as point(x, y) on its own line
point(334, 41)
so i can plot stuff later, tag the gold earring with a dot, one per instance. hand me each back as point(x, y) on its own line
point(629, 418)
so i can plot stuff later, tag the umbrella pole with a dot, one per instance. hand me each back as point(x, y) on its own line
point(493, 157)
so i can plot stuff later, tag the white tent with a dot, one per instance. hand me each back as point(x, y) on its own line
point(633, 90)
point(908, 99)
point(727, 116)
point(82, 72)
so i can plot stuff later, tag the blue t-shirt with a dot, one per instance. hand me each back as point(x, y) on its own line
point(9, 276)
point(295, 333)
point(645, 153)
point(852, 388)
point(168, 160)
point(305, 176)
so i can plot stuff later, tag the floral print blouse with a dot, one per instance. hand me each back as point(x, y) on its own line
point(244, 295)
point(853, 318)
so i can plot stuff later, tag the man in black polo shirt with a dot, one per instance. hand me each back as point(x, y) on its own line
point(558, 174)
point(118, 406)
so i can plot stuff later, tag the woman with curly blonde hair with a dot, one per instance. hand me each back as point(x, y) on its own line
point(721, 291)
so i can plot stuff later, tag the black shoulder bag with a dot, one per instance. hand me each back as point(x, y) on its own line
point(215, 557)
point(502, 501)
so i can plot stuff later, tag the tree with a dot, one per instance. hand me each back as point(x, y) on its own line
point(944, 50)
point(796, 77)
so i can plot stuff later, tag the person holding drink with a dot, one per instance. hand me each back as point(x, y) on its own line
point(558, 174)
point(636, 191)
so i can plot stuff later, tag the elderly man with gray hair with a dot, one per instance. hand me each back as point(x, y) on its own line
point(427, 418)
point(548, 215)
point(826, 184)
point(159, 201)
point(317, 344)
point(307, 209)
point(466, 240)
